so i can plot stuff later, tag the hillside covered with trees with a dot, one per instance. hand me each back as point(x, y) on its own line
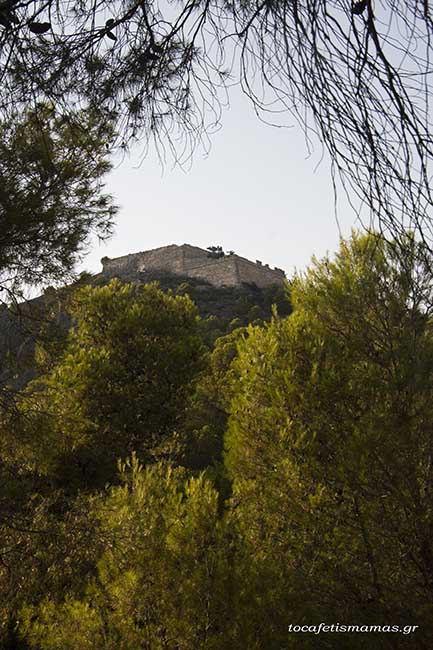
point(161, 490)
point(183, 468)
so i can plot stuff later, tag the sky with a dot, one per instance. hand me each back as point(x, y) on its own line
point(257, 192)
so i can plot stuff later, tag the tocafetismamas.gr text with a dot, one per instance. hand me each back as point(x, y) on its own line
point(337, 627)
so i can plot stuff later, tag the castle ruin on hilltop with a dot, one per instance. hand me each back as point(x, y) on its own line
point(193, 262)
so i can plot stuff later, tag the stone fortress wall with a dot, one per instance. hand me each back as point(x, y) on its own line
point(194, 262)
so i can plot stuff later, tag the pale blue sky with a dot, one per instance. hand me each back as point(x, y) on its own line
point(255, 193)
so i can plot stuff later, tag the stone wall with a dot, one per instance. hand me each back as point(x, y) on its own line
point(194, 262)
point(194, 257)
point(219, 272)
point(119, 265)
point(169, 258)
point(259, 274)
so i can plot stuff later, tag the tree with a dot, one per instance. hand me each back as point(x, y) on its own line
point(120, 383)
point(120, 386)
point(329, 442)
point(215, 252)
point(48, 546)
point(51, 200)
point(164, 578)
point(208, 406)
point(353, 73)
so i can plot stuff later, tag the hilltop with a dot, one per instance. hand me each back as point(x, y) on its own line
point(229, 291)
point(212, 265)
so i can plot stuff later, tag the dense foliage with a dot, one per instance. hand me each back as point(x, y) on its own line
point(120, 384)
point(283, 478)
point(51, 193)
point(330, 438)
